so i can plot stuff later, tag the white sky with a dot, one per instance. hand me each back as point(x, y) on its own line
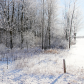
point(81, 32)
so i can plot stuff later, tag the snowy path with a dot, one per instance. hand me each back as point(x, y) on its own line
point(75, 56)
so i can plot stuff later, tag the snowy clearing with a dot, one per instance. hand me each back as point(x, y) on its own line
point(44, 67)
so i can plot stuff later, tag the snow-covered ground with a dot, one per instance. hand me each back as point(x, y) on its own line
point(75, 58)
point(76, 54)
point(38, 67)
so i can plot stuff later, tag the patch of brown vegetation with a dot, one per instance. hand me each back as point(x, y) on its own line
point(54, 51)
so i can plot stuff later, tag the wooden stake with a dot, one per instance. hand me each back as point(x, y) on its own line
point(69, 42)
point(7, 62)
point(64, 65)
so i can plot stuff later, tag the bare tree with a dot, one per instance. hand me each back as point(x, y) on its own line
point(43, 27)
point(51, 19)
point(70, 20)
point(22, 26)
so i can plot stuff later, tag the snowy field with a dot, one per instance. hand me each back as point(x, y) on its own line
point(43, 67)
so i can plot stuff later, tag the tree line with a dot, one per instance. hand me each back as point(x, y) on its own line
point(27, 23)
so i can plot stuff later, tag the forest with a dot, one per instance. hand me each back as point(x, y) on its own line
point(39, 23)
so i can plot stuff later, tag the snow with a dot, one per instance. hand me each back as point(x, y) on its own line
point(76, 54)
point(37, 67)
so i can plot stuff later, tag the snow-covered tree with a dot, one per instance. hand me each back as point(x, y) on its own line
point(71, 19)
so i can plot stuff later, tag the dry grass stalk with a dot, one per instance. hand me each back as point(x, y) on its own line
point(54, 51)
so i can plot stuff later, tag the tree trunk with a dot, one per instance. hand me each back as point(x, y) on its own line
point(22, 27)
point(11, 43)
point(43, 27)
point(49, 23)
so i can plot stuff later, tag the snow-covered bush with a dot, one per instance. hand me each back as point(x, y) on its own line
point(16, 41)
point(29, 39)
point(59, 43)
point(2, 48)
